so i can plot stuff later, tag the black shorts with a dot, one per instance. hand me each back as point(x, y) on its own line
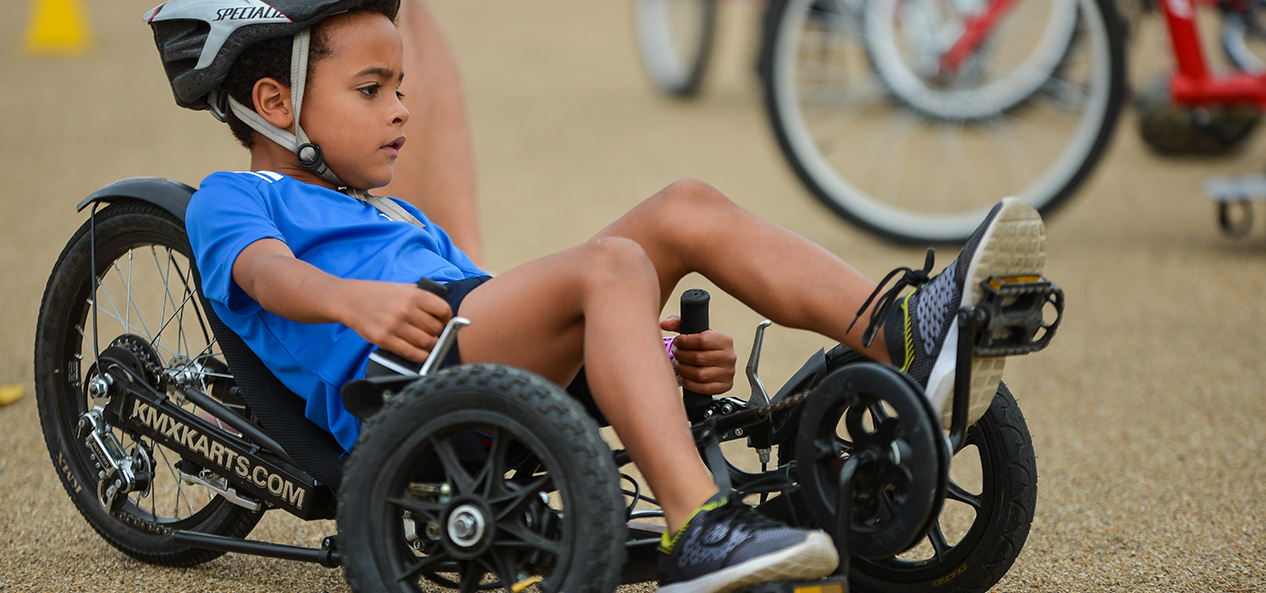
point(457, 291)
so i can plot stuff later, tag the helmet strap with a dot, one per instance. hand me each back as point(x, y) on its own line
point(309, 154)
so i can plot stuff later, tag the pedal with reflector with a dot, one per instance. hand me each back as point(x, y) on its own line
point(1009, 319)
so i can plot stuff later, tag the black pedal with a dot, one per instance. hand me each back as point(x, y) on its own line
point(1010, 315)
point(833, 584)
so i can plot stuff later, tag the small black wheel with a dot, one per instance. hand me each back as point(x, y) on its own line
point(986, 515)
point(145, 302)
point(482, 476)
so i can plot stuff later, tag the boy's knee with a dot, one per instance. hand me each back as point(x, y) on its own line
point(691, 201)
point(617, 261)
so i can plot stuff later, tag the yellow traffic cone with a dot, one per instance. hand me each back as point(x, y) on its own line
point(57, 27)
point(10, 393)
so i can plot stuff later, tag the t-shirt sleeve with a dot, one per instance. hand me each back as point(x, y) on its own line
point(229, 212)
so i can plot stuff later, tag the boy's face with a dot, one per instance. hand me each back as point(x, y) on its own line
point(351, 106)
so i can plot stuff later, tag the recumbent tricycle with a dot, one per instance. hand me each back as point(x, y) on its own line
point(173, 440)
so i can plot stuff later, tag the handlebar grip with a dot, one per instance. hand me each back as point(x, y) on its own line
point(694, 311)
point(433, 287)
point(694, 319)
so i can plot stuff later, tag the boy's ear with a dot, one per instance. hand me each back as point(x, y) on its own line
point(272, 102)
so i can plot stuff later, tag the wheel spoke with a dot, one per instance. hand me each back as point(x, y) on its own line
point(429, 510)
point(130, 303)
point(527, 539)
point(503, 565)
point(491, 478)
point(471, 576)
point(958, 493)
point(517, 500)
point(418, 565)
point(453, 470)
point(940, 545)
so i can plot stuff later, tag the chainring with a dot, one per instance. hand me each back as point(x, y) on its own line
point(878, 421)
point(1183, 130)
point(136, 355)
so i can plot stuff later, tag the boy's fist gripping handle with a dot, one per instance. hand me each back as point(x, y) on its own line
point(694, 320)
point(382, 362)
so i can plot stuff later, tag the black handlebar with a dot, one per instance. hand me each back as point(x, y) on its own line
point(694, 319)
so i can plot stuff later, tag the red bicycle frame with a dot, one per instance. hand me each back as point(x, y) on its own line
point(1192, 84)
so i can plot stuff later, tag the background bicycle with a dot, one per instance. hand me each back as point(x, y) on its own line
point(908, 116)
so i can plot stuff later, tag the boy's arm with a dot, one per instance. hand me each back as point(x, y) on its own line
point(396, 317)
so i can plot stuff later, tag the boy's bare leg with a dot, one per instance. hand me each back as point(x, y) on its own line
point(598, 304)
point(435, 171)
point(691, 227)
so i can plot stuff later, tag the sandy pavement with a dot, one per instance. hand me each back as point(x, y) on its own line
point(1148, 413)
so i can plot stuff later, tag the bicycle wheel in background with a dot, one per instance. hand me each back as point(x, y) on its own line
point(675, 40)
point(1243, 35)
point(894, 126)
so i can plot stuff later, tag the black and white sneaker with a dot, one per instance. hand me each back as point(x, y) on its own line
point(726, 546)
point(920, 329)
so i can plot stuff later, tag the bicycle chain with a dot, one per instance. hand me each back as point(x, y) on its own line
point(153, 367)
point(790, 401)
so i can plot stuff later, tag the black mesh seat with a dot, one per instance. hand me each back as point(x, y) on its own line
point(278, 410)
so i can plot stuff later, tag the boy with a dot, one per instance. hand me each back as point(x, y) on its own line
point(314, 279)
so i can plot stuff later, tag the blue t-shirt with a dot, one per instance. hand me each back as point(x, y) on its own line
point(336, 233)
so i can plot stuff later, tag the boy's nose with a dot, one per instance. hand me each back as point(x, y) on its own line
point(400, 114)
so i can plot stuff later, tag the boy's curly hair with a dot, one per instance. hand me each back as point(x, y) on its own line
point(271, 59)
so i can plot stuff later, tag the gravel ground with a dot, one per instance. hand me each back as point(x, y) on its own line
point(1147, 413)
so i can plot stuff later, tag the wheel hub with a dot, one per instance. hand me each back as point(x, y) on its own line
point(469, 528)
point(466, 525)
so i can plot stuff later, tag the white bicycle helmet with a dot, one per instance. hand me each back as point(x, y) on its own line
point(200, 40)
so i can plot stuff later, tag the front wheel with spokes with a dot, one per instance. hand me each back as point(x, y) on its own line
point(482, 477)
point(142, 304)
point(898, 124)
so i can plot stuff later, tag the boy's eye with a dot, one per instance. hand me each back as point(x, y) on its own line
point(400, 95)
point(370, 90)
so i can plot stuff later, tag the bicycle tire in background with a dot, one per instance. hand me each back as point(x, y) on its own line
point(889, 142)
point(674, 38)
point(1243, 36)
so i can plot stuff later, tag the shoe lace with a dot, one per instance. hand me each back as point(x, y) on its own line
point(909, 277)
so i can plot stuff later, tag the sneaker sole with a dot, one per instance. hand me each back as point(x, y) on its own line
point(813, 558)
point(1013, 244)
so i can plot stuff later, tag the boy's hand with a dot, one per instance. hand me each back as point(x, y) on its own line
point(399, 318)
point(705, 361)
